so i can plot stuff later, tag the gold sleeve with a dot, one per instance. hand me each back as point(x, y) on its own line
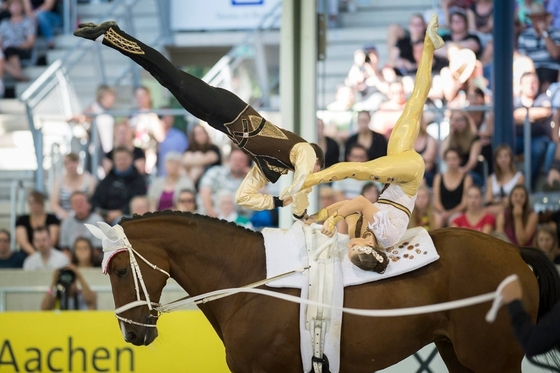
point(248, 195)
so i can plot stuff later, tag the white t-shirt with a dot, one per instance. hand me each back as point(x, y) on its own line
point(35, 261)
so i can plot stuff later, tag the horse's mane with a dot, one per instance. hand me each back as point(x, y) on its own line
point(186, 215)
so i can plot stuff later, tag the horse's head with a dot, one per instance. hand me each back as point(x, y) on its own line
point(137, 276)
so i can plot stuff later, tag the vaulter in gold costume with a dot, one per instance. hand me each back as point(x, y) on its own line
point(402, 169)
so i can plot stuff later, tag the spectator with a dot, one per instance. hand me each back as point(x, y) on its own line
point(186, 201)
point(17, 37)
point(553, 7)
point(547, 241)
point(426, 146)
point(70, 182)
point(327, 196)
point(170, 140)
point(538, 107)
point(459, 34)
point(83, 253)
point(389, 111)
point(502, 181)
point(69, 291)
point(124, 138)
point(113, 194)
point(541, 43)
point(374, 143)
point(226, 209)
point(455, 80)
point(449, 187)
point(37, 217)
point(8, 257)
point(73, 226)
point(139, 205)
point(424, 214)
point(146, 126)
point(351, 188)
point(484, 123)
point(330, 147)
point(482, 15)
point(475, 217)
point(46, 14)
point(518, 222)
point(463, 138)
point(201, 154)
point(46, 256)
point(228, 177)
point(443, 11)
point(400, 43)
point(165, 189)
point(370, 191)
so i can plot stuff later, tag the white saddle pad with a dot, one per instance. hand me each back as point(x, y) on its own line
point(285, 251)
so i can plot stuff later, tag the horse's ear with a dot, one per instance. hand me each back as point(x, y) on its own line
point(108, 230)
point(95, 231)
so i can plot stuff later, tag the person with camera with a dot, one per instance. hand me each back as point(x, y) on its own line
point(69, 291)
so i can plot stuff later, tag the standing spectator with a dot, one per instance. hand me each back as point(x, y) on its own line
point(46, 256)
point(351, 188)
point(449, 188)
point(370, 191)
point(113, 194)
point(17, 37)
point(538, 107)
point(165, 189)
point(8, 257)
point(73, 226)
point(25, 224)
point(226, 210)
point(124, 138)
point(426, 146)
point(228, 177)
point(46, 14)
point(424, 214)
point(201, 154)
point(70, 182)
point(501, 182)
point(186, 201)
point(518, 222)
point(463, 138)
point(475, 217)
point(171, 140)
point(541, 43)
point(330, 147)
point(374, 143)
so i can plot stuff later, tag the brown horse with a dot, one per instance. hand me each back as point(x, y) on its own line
point(261, 333)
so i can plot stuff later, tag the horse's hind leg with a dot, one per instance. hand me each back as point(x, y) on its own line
point(450, 359)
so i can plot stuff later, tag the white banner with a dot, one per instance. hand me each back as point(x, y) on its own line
point(191, 15)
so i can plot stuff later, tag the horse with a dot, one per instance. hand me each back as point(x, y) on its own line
point(261, 333)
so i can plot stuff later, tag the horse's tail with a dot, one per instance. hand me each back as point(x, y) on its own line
point(547, 277)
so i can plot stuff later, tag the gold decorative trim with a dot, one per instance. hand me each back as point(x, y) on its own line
point(122, 43)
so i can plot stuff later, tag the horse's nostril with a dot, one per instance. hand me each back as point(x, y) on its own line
point(131, 336)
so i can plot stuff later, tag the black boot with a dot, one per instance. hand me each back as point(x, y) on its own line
point(92, 31)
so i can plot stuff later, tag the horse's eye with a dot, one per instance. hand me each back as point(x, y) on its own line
point(121, 272)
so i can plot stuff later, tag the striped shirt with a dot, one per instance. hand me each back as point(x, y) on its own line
point(534, 47)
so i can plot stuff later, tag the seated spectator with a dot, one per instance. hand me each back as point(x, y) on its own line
point(186, 201)
point(459, 34)
point(139, 205)
point(113, 194)
point(538, 107)
point(518, 221)
point(37, 217)
point(370, 191)
point(464, 139)
point(124, 138)
point(83, 254)
point(201, 154)
point(443, 9)
point(547, 241)
point(226, 210)
point(170, 140)
point(327, 196)
point(376, 84)
point(359, 73)
point(73, 226)
point(541, 43)
point(389, 111)
point(70, 182)
point(423, 214)
point(69, 291)
point(330, 147)
point(482, 15)
point(228, 177)
point(48, 18)
point(145, 126)
point(17, 37)
point(501, 182)
point(426, 146)
point(484, 123)
point(400, 43)
point(164, 190)
point(344, 99)
point(46, 256)
point(9, 258)
point(475, 216)
point(351, 188)
point(374, 143)
point(455, 79)
point(449, 187)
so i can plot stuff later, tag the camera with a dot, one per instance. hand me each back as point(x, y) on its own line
point(66, 278)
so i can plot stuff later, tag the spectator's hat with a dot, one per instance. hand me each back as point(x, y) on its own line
point(536, 10)
point(462, 63)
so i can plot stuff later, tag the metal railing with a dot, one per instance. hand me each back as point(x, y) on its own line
point(17, 207)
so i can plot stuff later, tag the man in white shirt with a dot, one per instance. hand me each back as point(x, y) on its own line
point(46, 256)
